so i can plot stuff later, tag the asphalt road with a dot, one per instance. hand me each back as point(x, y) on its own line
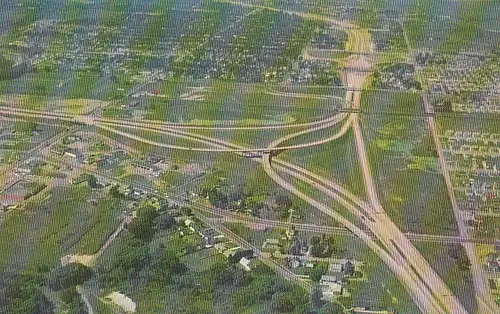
point(426, 288)
point(486, 304)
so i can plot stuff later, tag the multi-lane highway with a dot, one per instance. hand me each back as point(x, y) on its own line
point(377, 230)
point(413, 283)
point(411, 276)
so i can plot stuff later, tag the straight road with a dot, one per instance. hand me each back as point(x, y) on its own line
point(383, 227)
point(264, 258)
point(216, 225)
point(486, 304)
point(260, 223)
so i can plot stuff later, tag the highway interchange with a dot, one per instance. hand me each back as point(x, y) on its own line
point(379, 233)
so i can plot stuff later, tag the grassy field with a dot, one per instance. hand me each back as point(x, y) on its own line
point(101, 222)
point(50, 228)
point(335, 160)
point(239, 104)
point(404, 164)
point(12, 229)
point(54, 237)
point(381, 290)
point(458, 280)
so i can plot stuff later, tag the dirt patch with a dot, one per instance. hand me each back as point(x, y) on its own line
point(122, 301)
point(86, 260)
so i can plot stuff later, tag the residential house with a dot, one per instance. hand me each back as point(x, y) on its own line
point(348, 269)
point(330, 286)
point(73, 153)
point(299, 247)
point(246, 263)
point(271, 244)
point(239, 254)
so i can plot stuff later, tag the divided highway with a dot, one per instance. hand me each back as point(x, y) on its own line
point(381, 235)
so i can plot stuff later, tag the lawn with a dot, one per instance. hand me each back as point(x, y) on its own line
point(235, 103)
point(56, 236)
point(381, 290)
point(403, 161)
point(101, 222)
point(335, 160)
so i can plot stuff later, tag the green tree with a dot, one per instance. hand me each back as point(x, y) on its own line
point(92, 181)
point(282, 302)
point(22, 293)
point(131, 256)
point(165, 222)
point(114, 192)
point(166, 266)
point(332, 308)
point(318, 271)
point(69, 275)
point(316, 297)
point(142, 226)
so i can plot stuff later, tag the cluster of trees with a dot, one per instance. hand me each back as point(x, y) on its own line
point(5, 68)
point(34, 190)
point(317, 271)
point(457, 252)
point(114, 191)
point(134, 260)
point(165, 265)
point(243, 200)
point(65, 279)
point(92, 182)
point(326, 76)
point(444, 106)
point(73, 301)
point(216, 196)
point(283, 205)
point(323, 246)
point(322, 307)
point(165, 221)
point(142, 226)
point(68, 276)
point(22, 293)
point(133, 255)
point(242, 290)
point(237, 199)
point(265, 287)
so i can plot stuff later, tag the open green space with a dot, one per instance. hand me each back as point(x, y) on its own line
point(101, 221)
point(168, 272)
point(403, 161)
point(451, 264)
point(335, 160)
point(234, 104)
